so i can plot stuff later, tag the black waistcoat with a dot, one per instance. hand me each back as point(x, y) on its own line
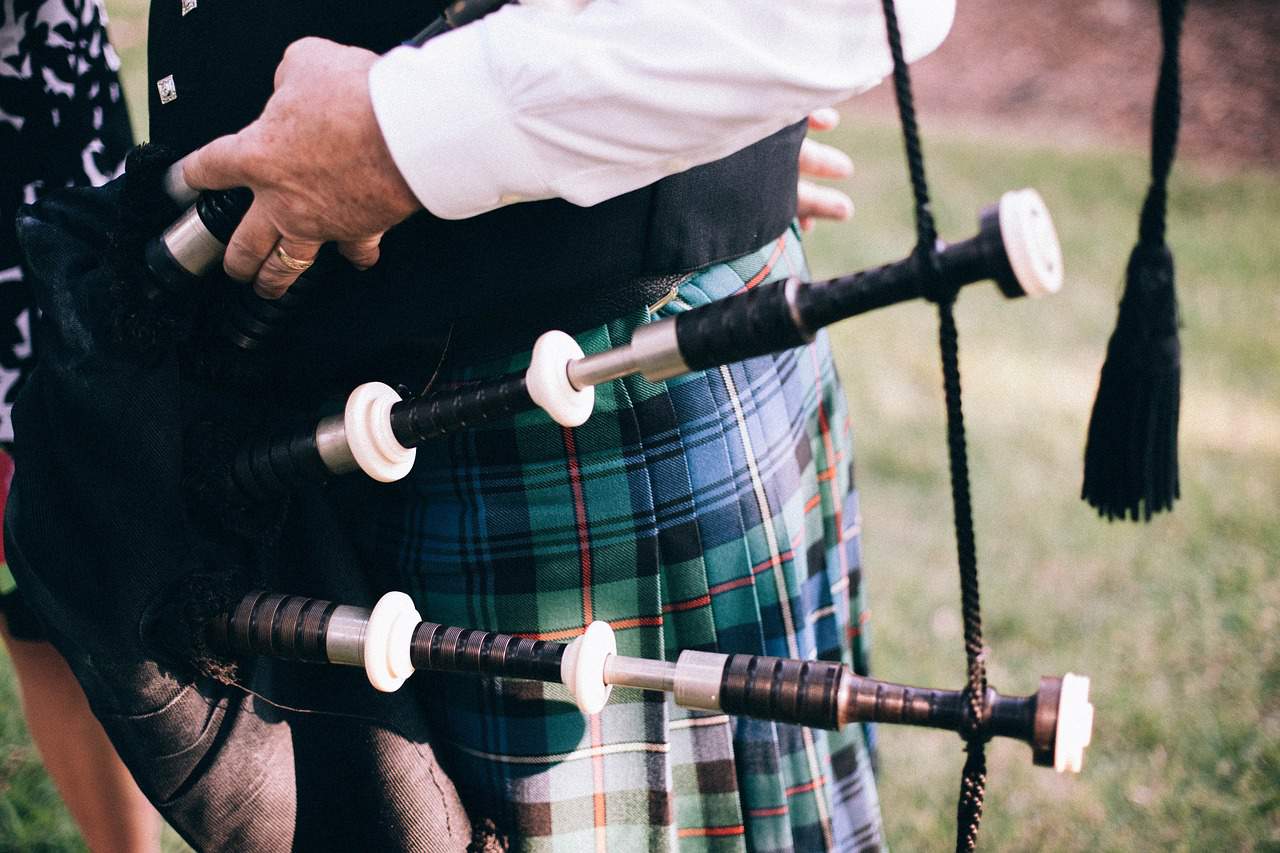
point(530, 259)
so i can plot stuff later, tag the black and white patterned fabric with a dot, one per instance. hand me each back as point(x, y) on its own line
point(62, 123)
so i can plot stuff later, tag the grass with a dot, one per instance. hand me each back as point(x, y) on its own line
point(1176, 622)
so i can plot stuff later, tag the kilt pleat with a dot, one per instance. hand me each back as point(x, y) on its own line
point(714, 511)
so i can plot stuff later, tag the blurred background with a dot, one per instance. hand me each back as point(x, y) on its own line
point(1177, 622)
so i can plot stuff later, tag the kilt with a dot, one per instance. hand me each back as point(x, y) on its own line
point(715, 511)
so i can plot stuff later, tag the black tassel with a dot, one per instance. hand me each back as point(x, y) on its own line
point(1131, 459)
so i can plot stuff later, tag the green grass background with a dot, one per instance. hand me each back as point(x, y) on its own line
point(1177, 622)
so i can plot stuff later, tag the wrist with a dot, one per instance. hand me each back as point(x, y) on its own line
point(401, 198)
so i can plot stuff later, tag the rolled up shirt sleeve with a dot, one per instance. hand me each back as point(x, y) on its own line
point(589, 101)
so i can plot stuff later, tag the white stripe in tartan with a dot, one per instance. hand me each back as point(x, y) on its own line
point(560, 757)
point(823, 612)
point(698, 722)
point(784, 597)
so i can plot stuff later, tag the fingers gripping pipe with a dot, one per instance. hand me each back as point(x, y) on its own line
point(390, 642)
point(194, 244)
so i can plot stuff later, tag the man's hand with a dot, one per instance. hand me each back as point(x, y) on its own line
point(815, 201)
point(318, 167)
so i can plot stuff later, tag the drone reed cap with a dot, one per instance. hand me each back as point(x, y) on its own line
point(1031, 242)
point(366, 424)
point(582, 667)
point(387, 638)
point(1075, 724)
point(547, 380)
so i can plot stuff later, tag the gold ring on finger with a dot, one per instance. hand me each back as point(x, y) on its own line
point(290, 262)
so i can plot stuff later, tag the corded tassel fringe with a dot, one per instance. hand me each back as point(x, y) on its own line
point(1131, 458)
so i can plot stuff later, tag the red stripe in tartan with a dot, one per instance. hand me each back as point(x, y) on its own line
point(580, 516)
point(772, 562)
point(615, 624)
point(691, 604)
point(863, 618)
point(806, 787)
point(599, 812)
point(733, 584)
point(812, 503)
point(768, 267)
point(771, 812)
point(635, 622)
point(597, 780)
point(703, 831)
point(828, 447)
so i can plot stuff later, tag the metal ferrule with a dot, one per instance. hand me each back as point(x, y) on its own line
point(602, 367)
point(641, 673)
point(653, 352)
point(331, 443)
point(344, 638)
point(698, 678)
point(192, 245)
point(657, 351)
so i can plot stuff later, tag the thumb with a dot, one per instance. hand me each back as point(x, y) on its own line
point(219, 165)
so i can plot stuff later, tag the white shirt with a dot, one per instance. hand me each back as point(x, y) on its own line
point(586, 101)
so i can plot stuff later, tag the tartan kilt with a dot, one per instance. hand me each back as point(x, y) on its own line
point(715, 511)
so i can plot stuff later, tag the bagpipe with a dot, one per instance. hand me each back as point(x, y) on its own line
point(379, 429)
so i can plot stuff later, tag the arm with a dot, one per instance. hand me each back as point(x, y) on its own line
point(531, 102)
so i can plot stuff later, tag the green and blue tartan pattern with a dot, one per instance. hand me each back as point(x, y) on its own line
point(714, 511)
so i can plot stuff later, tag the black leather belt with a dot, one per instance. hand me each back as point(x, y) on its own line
point(513, 329)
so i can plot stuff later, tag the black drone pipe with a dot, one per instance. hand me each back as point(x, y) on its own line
point(1016, 246)
point(391, 642)
point(193, 246)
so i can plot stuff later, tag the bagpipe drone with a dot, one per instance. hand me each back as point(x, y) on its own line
point(379, 429)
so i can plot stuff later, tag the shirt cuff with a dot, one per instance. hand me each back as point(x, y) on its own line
point(449, 127)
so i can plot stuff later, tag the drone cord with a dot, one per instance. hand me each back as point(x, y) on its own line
point(974, 778)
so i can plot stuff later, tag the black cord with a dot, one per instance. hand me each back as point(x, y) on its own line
point(966, 547)
point(1165, 120)
point(973, 786)
point(926, 231)
point(973, 780)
